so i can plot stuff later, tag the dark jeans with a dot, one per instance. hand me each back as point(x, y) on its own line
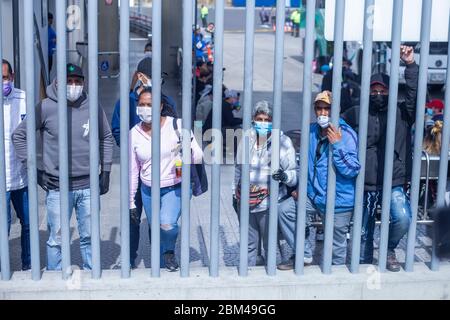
point(135, 223)
point(399, 216)
point(19, 199)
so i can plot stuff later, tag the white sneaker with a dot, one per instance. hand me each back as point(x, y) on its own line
point(307, 260)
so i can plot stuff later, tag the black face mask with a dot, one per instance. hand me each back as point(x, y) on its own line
point(379, 102)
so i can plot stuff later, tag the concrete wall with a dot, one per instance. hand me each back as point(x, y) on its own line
point(421, 284)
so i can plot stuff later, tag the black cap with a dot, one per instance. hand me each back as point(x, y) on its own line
point(74, 71)
point(145, 67)
point(380, 78)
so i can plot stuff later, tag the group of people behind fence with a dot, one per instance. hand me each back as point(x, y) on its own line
point(341, 144)
point(325, 140)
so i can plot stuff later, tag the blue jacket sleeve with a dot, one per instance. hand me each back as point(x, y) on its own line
point(115, 123)
point(345, 154)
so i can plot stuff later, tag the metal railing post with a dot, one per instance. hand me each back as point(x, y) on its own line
point(335, 111)
point(124, 138)
point(246, 126)
point(362, 133)
point(63, 137)
point(187, 117)
point(443, 164)
point(304, 136)
point(156, 137)
point(397, 18)
point(217, 134)
point(94, 137)
point(4, 239)
point(275, 137)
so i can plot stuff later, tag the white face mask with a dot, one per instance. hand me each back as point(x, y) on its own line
point(145, 114)
point(74, 92)
point(323, 121)
point(148, 54)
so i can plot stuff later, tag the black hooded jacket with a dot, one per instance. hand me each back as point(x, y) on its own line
point(376, 136)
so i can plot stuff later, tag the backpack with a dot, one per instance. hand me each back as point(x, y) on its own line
point(199, 179)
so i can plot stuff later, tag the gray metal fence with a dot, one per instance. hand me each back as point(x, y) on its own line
point(217, 144)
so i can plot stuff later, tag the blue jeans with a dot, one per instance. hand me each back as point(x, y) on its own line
point(19, 199)
point(287, 217)
point(170, 212)
point(400, 217)
point(80, 200)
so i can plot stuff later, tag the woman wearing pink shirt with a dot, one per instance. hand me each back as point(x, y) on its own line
point(141, 166)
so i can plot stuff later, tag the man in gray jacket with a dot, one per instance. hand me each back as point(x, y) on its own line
point(79, 185)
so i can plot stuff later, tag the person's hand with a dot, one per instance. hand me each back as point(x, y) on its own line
point(135, 218)
point(294, 195)
point(280, 176)
point(104, 182)
point(407, 54)
point(333, 135)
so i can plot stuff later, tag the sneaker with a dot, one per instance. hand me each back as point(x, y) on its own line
point(287, 265)
point(26, 267)
point(290, 264)
point(307, 261)
point(392, 264)
point(170, 261)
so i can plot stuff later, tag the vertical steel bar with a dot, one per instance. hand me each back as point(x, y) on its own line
point(418, 136)
point(443, 164)
point(217, 143)
point(362, 132)
point(4, 239)
point(156, 136)
point(397, 18)
point(94, 157)
point(31, 140)
point(275, 137)
point(304, 144)
point(187, 117)
point(246, 126)
point(124, 138)
point(335, 111)
point(63, 136)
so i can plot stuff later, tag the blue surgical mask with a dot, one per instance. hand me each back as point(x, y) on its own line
point(262, 128)
point(429, 112)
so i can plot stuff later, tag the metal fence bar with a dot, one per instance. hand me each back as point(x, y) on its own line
point(217, 143)
point(275, 137)
point(4, 239)
point(31, 140)
point(94, 157)
point(335, 111)
point(418, 135)
point(246, 126)
point(187, 117)
point(304, 144)
point(443, 164)
point(156, 137)
point(63, 137)
point(397, 18)
point(362, 135)
point(124, 138)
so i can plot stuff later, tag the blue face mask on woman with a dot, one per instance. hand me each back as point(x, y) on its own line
point(262, 128)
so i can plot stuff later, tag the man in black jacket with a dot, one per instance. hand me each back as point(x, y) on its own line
point(400, 213)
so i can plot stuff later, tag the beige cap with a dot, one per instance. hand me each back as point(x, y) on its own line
point(324, 96)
